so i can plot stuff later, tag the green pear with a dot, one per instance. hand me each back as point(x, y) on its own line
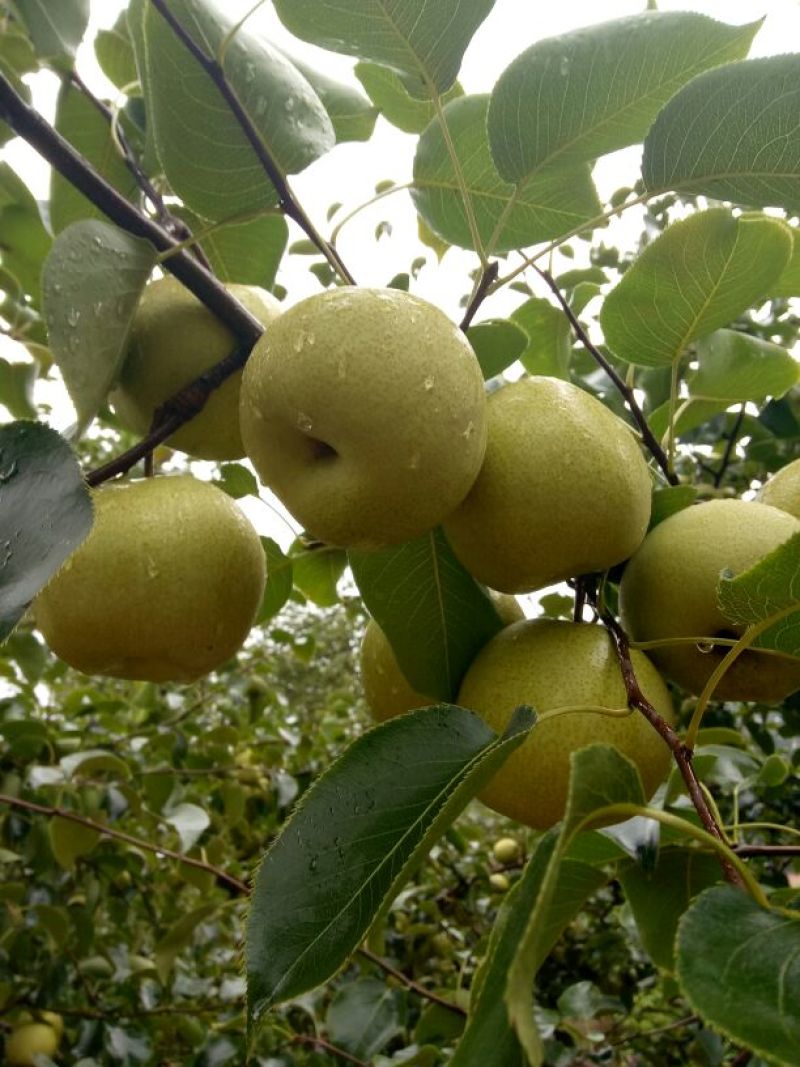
point(386, 689)
point(364, 411)
point(174, 339)
point(669, 590)
point(564, 490)
point(559, 668)
point(28, 1042)
point(165, 587)
point(782, 490)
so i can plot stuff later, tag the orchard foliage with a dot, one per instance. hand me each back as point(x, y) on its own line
point(241, 870)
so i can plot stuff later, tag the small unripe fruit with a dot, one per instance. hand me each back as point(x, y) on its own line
point(30, 1040)
point(506, 850)
point(499, 882)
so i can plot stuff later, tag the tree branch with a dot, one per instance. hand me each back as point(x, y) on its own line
point(409, 983)
point(326, 1046)
point(286, 198)
point(729, 447)
point(766, 850)
point(622, 386)
point(225, 880)
point(488, 277)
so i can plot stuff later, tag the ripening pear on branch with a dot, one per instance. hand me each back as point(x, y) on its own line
point(364, 411)
point(174, 339)
point(564, 490)
point(782, 490)
point(669, 590)
point(559, 668)
point(165, 587)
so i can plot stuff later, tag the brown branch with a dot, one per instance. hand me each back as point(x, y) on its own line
point(728, 454)
point(409, 983)
point(287, 201)
point(766, 850)
point(742, 1059)
point(488, 277)
point(226, 880)
point(326, 1046)
point(680, 752)
point(649, 438)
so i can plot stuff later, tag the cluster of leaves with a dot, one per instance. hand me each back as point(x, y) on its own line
point(625, 933)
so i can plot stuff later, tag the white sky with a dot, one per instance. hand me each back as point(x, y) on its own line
point(350, 172)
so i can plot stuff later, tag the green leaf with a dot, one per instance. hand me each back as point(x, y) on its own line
point(659, 897)
point(698, 275)
point(178, 937)
point(70, 840)
point(691, 414)
point(190, 822)
point(363, 1017)
point(92, 280)
point(114, 52)
point(46, 513)
point(94, 761)
point(280, 580)
point(731, 134)
point(317, 572)
point(55, 28)
point(352, 115)
point(669, 500)
point(247, 252)
point(788, 284)
point(17, 57)
point(489, 1037)
point(424, 40)
point(572, 98)
point(205, 154)
point(770, 589)
point(739, 967)
point(388, 93)
point(25, 241)
point(16, 388)
point(734, 367)
point(435, 615)
point(89, 133)
point(550, 338)
point(497, 343)
point(237, 480)
point(355, 837)
point(554, 204)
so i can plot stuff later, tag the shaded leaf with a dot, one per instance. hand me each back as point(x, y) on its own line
point(669, 500)
point(25, 241)
point(388, 93)
point(435, 615)
point(739, 967)
point(178, 937)
point(317, 572)
point(357, 834)
point(550, 338)
point(363, 1017)
point(497, 343)
point(56, 29)
point(92, 281)
point(424, 40)
point(45, 513)
point(352, 114)
point(690, 415)
point(280, 580)
point(698, 275)
point(769, 590)
point(94, 761)
point(555, 203)
point(237, 480)
point(70, 840)
point(598, 89)
point(735, 367)
point(16, 388)
point(731, 134)
point(788, 284)
point(114, 52)
point(247, 252)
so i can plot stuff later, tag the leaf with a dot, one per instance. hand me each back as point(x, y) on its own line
point(46, 513)
point(388, 93)
point(550, 338)
point(205, 154)
point(92, 761)
point(115, 55)
point(190, 821)
point(659, 897)
point(16, 388)
point(435, 615)
point(698, 275)
point(25, 241)
point(352, 114)
point(572, 98)
point(769, 590)
point(280, 580)
point(317, 571)
point(55, 28)
point(691, 414)
point(739, 967)
point(734, 367)
point(669, 500)
point(248, 252)
point(731, 134)
point(489, 1037)
point(788, 284)
point(237, 480)
point(17, 57)
point(70, 840)
point(497, 344)
point(424, 40)
point(363, 1017)
point(178, 937)
point(355, 837)
point(92, 281)
point(554, 204)
point(89, 133)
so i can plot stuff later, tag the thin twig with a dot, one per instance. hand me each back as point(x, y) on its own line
point(409, 983)
point(227, 881)
point(488, 276)
point(742, 1059)
point(680, 752)
point(326, 1046)
point(622, 386)
point(286, 198)
point(766, 850)
point(729, 447)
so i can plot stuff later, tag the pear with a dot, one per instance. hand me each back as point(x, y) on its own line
point(387, 691)
point(165, 587)
point(28, 1042)
point(556, 668)
point(782, 490)
point(364, 411)
point(174, 339)
point(564, 490)
point(669, 589)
